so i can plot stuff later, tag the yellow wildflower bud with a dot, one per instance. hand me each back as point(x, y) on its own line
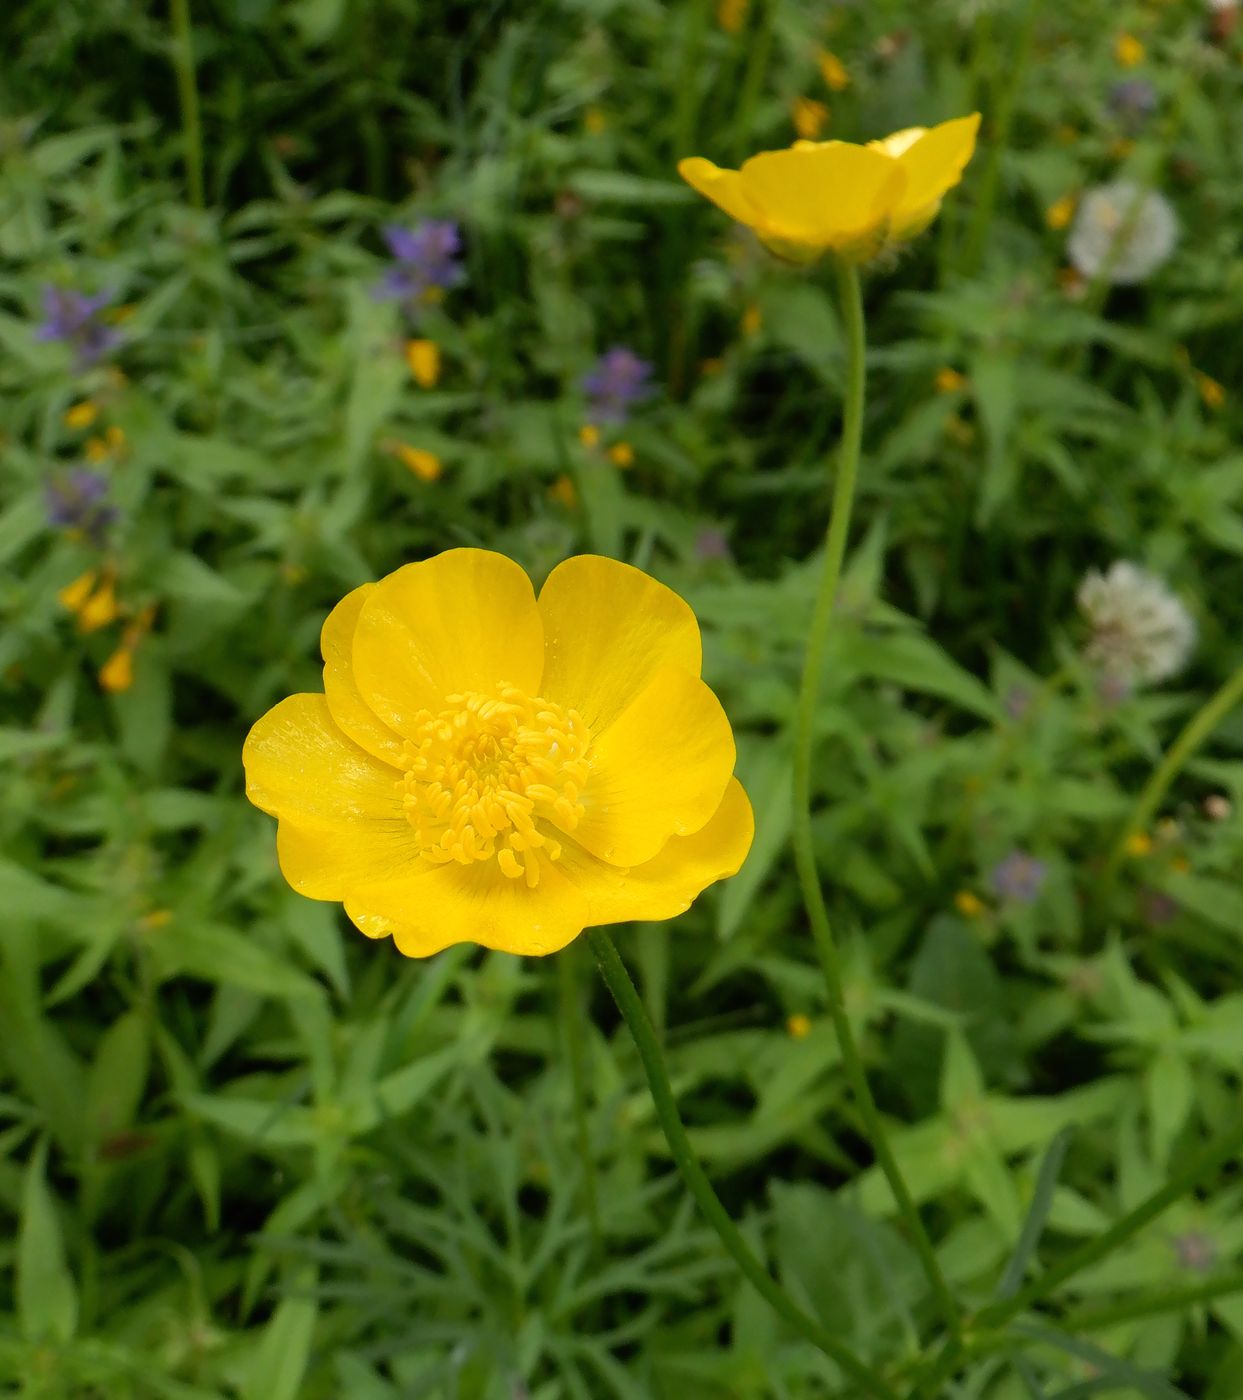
point(731, 15)
point(117, 673)
point(563, 490)
point(100, 608)
point(97, 450)
point(81, 415)
point(1128, 51)
point(589, 435)
point(949, 381)
point(424, 464)
point(75, 594)
point(115, 438)
point(798, 1025)
point(155, 919)
point(1138, 844)
point(1211, 391)
point(969, 905)
point(809, 117)
point(833, 71)
point(423, 357)
point(621, 454)
point(752, 320)
point(594, 120)
point(838, 197)
point(1059, 214)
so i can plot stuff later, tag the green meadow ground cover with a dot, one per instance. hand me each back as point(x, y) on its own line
point(295, 291)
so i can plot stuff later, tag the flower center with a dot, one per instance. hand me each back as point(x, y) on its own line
point(487, 774)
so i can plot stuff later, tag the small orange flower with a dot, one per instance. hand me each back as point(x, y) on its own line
point(1059, 214)
point(117, 673)
point(100, 608)
point(798, 1025)
point(424, 464)
point(621, 454)
point(1128, 50)
point(589, 435)
point(833, 71)
point(423, 358)
point(969, 905)
point(74, 595)
point(949, 381)
point(809, 117)
point(1211, 390)
point(81, 415)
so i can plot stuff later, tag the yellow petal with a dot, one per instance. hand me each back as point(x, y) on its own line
point(899, 142)
point(465, 620)
point(722, 187)
point(300, 765)
point(658, 771)
point(664, 887)
point(75, 594)
point(933, 164)
point(830, 195)
point(453, 903)
point(331, 863)
point(350, 711)
point(608, 629)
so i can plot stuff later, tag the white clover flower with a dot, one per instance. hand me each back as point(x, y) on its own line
point(1140, 630)
point(1122, 232)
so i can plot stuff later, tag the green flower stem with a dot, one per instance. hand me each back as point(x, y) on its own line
point(804, 848)
point(1197, 730)
point(572, 1024)
point(1216, 1154)
point(1168, 1300)
point(631, 1007)
point(188, 96)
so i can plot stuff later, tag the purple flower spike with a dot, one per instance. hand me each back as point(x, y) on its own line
point(75, 320)
point(425, 257)
point(617, 382)
point(1019, 878)
point(75, 501)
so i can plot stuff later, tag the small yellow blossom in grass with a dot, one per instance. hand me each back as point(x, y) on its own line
point(564, 491)
point(424, 464)
point(423, 357)
point(1059, 214)
point(809, 117)
point(116, 439)
point(798, 1025)
point(81, 415)
point(117, 673)
point(155, 919)
point(1121, 147)
point(752, 320)
point(731, 15)
point(1129, 51)
point(1211, 391)
point(97, 450)
point(1138, 844)
point(595, 121)
point(100, 608)
point(485, 766)
point(833, 71)
point(821, 197)
point(589, 435)
point(969, 905)
point(621, 454)
point(949, 381)
point(74, 595)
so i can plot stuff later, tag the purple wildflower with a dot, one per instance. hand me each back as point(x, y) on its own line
point(425, 259)
point(74, 320)
point(1133, 100)
point(1195, 1250)
point(75, 501)
point(615, 384)
point(1019, 878)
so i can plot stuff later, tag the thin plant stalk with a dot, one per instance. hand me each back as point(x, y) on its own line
point(188, 98)
point(630, 1004)
point(1177, 756)
point(572, 1026)
point(804, 847)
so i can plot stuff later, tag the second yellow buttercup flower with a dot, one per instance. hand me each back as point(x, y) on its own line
point(838, 197)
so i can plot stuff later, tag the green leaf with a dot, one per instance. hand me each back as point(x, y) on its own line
point(47, 1300)
point(1037, 1214)
point(277, 1368)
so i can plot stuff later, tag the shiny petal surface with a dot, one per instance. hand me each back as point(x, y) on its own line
point(300, 765)
point(350, 711)
point(608, 630)
point(722, 187)
point(448, 904)
point(658, 771)
point(328, 863)
point(465, 620)
point(666, 885)
point(933, 164)
point(830, 195)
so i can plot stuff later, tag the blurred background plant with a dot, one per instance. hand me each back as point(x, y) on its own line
point(292, 291)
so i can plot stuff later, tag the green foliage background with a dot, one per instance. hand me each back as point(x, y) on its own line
point(244, 1152)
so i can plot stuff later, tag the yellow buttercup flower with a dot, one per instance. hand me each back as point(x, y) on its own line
point(621, 454)
point(424, 464)
point(968, 904)
point(489, 767)
point(589, 435)
point(809, 117)
point(117, 673)
point(81, 415)
point(423, 358)
point(834, 196)
point(74, 595)
point(1128, 50)
point(1059, 214)
point(100, 608)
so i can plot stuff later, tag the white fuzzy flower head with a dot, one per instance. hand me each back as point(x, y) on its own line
point(1122, 232)
point(1140, 630)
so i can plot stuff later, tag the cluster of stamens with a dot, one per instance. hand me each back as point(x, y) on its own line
point(487, 775)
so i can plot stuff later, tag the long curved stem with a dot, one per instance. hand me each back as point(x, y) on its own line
point(631, 1007)
point(804, 848)
point(188, 95)
point(1198, 728)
